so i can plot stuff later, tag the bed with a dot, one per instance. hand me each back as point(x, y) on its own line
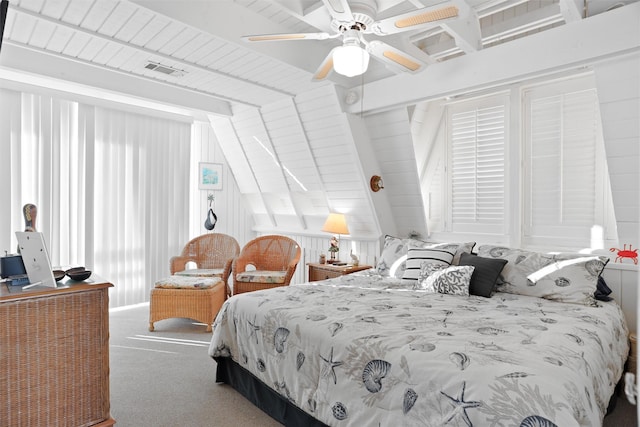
point(378, 349)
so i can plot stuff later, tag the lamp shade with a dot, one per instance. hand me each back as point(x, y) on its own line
point(336, 223)
point(350, 60)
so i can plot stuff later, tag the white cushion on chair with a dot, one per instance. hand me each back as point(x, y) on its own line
point(201, 272)
point(184, 282)
point(261, 276)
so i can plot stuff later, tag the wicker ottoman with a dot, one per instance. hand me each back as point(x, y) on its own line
point(194, 298)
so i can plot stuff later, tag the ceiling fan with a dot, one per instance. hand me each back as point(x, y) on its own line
point(352, 21)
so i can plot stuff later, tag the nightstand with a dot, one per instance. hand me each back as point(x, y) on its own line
point(329, 271)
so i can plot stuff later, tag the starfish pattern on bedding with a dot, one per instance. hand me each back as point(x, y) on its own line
point(329, 367)
point(254, 329)
point(460, 406)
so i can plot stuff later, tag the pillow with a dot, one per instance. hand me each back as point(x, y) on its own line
point(602, 290)
point(564, 277)
point(418, 258)
point(392, 260)
point(453, 280)
point(184, 282)
point(394, 254)
point(485, 275)
point(457, 248)
point(426, 271)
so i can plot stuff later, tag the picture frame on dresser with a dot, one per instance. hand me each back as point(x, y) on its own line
point(35, 257)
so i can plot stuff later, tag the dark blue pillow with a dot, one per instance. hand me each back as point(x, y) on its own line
point(602, 291)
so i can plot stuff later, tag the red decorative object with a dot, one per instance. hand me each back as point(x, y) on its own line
point(626, 253)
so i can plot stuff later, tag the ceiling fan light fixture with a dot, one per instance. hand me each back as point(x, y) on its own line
point(350, 60)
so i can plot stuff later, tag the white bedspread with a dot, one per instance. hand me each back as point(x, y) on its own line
point(360, 350)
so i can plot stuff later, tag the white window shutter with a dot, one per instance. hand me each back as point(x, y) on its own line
point(562, 172)
point(478, 165)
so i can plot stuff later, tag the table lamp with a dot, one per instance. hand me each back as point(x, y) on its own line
point(336, 223)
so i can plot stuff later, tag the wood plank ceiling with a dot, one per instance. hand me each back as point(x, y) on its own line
point(196, 46)
point(293, 150)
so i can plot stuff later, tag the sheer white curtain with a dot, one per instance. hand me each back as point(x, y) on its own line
point(111, 187)
point(141, 199)
point(42, 163)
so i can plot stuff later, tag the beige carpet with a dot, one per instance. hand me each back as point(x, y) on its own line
point(166, 378)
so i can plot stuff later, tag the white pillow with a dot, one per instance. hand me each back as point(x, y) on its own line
point(417, 258)
point(392, 262)
point(456, 248)
point(560, 277)
point(393, 256)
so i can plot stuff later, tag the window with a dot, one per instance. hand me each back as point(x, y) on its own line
point(541, 181)
point(477, 165)
point(565, 174)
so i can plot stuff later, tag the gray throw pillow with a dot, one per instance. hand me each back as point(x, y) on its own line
point(485, 275)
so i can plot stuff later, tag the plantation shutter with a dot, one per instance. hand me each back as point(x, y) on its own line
point(563, 170)
point(478, 166)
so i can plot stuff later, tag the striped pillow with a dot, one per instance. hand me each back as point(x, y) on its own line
point(418, 257)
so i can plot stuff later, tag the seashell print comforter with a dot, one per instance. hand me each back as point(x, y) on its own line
point(362, 350)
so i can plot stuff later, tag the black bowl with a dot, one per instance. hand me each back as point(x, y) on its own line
point(79, 273)
point(59, 275)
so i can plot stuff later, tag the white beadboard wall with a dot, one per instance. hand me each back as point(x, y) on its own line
point(332, 146)
point(295, 161)
point(233, 217)
point(618, 83)
point(392, 142)
point(622, 279)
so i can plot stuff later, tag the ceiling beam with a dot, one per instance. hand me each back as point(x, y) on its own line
point(508, 28)
point(572, 10)
point(520, 24)
point(30, 60)
point(273, 152)
point(466, 29)
point(580, 44)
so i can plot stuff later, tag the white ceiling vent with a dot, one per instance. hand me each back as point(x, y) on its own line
point(164, 69)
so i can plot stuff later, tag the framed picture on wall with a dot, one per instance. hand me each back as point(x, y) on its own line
point(210, 176)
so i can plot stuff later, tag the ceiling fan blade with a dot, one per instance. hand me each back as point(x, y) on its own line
point(325, 68)
point(339, 10)
point(428, 16)
point(292, 36)
point(395, 57)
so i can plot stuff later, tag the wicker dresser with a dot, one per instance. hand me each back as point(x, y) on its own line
point(54, 355)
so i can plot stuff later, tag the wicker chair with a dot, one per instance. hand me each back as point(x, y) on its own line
point(274, 260)
point(213, 254)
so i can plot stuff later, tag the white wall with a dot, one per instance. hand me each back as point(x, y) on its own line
point(618, 83)
point(622, 279)
point(234, 218)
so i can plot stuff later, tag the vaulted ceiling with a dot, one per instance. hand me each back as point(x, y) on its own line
point(295, 152)
point(195, 48)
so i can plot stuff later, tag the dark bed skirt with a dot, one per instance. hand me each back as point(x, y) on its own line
point(274, 404)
